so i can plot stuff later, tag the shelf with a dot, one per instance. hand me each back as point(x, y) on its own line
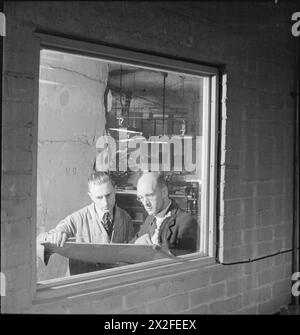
point(133, 192)
point(121, 191)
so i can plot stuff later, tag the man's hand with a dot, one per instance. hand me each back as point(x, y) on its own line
point(58, 238)
point(144, 239)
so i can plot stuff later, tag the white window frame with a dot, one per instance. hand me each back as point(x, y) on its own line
point(88, 283)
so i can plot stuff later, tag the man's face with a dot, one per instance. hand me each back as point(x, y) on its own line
point(151, 196)
point(103, 196)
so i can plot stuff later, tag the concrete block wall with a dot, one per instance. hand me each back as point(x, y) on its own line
point(254, 42)
point(259, 287)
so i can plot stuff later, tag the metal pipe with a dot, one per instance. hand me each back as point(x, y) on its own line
point(164, 100)
point(295, 301)
point(2, 56)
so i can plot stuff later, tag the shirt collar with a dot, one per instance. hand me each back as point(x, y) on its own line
point(101, 213)
point(163, 213)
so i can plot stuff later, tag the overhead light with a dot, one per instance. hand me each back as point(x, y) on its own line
point(156, 142)
point(127, 140)
point(187, 136)
point(129, 130)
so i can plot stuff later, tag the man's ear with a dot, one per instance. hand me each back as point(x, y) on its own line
point(165, 192)
point(90, 196)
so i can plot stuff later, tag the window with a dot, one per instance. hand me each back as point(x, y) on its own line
point(126, 113)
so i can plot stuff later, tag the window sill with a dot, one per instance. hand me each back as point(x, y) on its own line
point(87, 284)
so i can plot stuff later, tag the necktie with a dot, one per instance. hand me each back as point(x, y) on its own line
point(155, 237)
point(107, 223)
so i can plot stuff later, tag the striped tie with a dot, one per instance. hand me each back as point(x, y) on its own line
point(155, 237)
point(107, 223)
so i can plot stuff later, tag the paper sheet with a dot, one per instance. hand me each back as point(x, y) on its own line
point(109, 253)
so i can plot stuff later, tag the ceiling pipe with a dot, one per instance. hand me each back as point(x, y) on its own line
point(294, 307)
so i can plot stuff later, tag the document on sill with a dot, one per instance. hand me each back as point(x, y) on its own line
point(111, 252)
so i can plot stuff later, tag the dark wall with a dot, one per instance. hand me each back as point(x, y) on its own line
point(254, 42)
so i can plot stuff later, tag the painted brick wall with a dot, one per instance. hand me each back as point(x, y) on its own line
point(254, 41)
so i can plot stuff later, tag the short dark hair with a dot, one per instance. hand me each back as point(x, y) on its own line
point(99, 177)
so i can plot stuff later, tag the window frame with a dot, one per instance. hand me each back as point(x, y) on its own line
point(130, 274)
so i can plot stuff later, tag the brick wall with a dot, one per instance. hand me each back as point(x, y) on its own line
point(259, 287)
point(254, 41)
